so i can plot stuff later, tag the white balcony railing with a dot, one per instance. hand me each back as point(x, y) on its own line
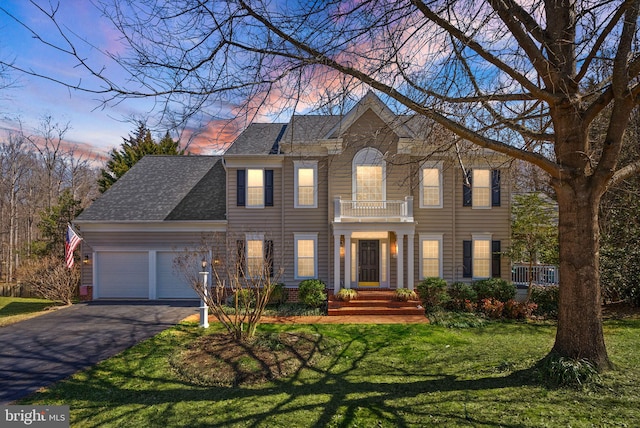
point(401, 211)
point(540, 274)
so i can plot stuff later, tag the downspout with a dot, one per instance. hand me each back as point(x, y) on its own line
point(453, 225)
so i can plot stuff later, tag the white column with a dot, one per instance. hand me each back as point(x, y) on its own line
point(410, 261)
point(400, 243)
point(347, 261)
point(336, 263)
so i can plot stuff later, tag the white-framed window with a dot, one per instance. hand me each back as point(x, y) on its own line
point(431, 256)
point(481, 253)
point(369, 176)
point(306, 255)
point(431, 186)
point(481, 183)
point(306, 184)
point(255, 188)
point(255, 263)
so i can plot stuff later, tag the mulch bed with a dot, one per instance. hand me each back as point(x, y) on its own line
point(219, 360)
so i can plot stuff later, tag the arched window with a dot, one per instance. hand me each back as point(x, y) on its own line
point(369, 174)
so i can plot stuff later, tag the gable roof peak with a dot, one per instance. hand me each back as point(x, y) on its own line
point(372, 102)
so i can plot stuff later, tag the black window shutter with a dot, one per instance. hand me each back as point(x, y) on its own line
point(241, 188)
point(241, 266)
point(467, 260)
point(268, 256)
point(466, 189)
point(495, 188)
point(495, 259)
point(268, 187)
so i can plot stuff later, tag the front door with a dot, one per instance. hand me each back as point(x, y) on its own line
point(369, 258)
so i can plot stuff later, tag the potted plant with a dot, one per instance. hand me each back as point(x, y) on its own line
point(404, 294)
point(347, 294)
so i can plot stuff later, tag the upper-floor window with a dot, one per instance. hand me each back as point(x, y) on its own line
point(431, 186)
point(369, 176)
point(306, 184)
point(481, 188)
point(254, 188)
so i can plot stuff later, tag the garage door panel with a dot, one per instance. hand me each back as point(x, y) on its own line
point(123, 274)
point(171, 285)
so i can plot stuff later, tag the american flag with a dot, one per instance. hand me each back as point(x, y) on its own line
point(70, 244)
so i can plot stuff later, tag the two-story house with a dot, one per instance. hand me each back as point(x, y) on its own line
point(365, 199)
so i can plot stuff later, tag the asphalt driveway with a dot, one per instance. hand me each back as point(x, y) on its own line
point(42, 350)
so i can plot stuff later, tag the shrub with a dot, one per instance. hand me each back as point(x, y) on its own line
point(246, 298)
point(347, 294)
point(492, 308)
point(518, 310)
point(546, 297)
point(279, 294)
point(494, 288)
point(404, 294)
point(50, 279)
point(433, 292)
point(312, 293)
point(461, 295)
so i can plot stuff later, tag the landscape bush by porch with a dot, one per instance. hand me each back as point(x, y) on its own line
point(546, 297)
point(462, 295)
point(404, 294)
point(433, 292)
point(347, 294)
point(279, 294)
point(494, 288)
point(312, 292)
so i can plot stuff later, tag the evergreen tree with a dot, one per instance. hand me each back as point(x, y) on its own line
point(132, 150)
point(53, 225)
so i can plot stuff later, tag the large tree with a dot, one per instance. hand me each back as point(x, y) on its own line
point(522, 78)
point(132, 149)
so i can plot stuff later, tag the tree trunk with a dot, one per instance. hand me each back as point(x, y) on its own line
point(580, 333)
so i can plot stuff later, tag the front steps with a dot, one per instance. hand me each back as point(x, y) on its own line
point(374, 302)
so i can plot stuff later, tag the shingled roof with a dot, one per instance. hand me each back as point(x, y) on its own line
point(164, 188)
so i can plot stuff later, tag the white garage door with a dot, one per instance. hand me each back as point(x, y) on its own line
point(171, 285)
point(123, 275)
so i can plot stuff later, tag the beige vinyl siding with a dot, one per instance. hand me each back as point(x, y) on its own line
point(494, 220)
point(306, 220)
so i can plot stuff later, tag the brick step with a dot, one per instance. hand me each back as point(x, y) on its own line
point(373, 303)
point(378, 311)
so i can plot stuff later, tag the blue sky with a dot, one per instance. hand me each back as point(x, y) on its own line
point(94, 127)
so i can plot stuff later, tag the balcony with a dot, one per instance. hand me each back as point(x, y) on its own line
point(373, 211)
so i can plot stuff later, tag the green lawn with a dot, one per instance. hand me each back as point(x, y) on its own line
point(366, 376)
point(14, 309)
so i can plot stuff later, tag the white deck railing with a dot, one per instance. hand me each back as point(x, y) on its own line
point(374, 210)
point(540, 274)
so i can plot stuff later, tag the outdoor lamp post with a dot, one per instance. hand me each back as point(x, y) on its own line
point(204, 309)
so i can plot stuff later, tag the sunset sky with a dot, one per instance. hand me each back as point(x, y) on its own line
point(95, 127)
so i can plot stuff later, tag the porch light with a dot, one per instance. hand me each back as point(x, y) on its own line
point(341, 246)
point(394, 249)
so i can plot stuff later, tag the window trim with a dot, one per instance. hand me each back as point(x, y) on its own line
point(475, 187)
point(305, 165)
point(437, 166)
point(369, 156)
point(431, 237)
point(252, 237)
point(481, 237)
point(247, 186)
point(305, 237)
